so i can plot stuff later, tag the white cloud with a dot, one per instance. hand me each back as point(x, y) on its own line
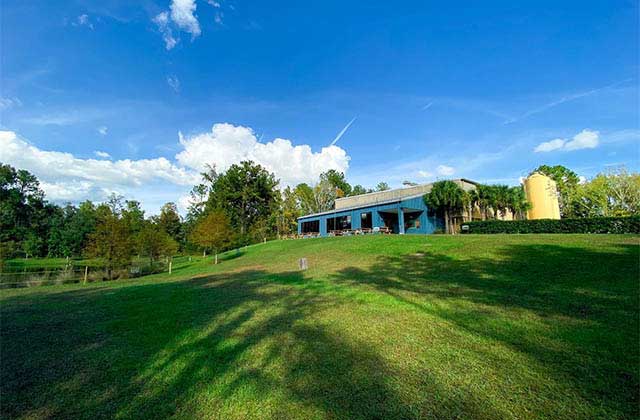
point(65, 177)
point(174, 83)
point(103, 130)
point(227, 144)
point(56, 166)
point(425, 174)
point(549, 146)
point(182, 13)
point(162, 21)
point(83, 20)
point(586, 139)
point(445, 170)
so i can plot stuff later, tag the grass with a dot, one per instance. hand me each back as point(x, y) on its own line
point(521, 326)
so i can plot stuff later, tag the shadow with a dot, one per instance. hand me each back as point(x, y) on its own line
point(528, 291)
point(245, 344)
point(270, 345)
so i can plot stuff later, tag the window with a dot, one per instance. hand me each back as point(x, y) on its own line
point(311, 227)
point(412, 220)
point(338, 223)
point(366, 221)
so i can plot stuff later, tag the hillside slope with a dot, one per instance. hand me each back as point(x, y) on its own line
point(496, 326)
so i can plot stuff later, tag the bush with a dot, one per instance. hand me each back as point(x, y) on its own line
point(586, 225)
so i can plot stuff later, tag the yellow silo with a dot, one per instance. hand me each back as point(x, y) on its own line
point(542, 194)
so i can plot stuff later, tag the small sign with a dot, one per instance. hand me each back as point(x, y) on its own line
point(465, 227)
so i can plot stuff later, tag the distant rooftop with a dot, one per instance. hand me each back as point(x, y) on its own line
point(395, 194)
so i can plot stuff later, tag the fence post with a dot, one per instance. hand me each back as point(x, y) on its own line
point(216, 258)
point(170, 264)
point(86, 270)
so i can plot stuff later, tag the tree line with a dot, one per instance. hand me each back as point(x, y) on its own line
point(245, 205)
point(241, 206)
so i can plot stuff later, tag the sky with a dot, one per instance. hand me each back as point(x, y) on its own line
point(137, 98)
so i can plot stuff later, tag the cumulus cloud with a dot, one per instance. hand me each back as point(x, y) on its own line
point(59, 165)
point(227, 144)
point(103, 130)
point(586, 139)
point(65, 177)
point(182, 13)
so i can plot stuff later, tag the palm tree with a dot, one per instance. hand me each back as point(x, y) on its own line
point(446, 197)
point(518, 203)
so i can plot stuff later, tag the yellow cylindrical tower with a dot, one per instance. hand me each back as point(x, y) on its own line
point(542, 194)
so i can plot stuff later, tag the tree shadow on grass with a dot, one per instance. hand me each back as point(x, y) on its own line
point(588, 300)
point(233, 345)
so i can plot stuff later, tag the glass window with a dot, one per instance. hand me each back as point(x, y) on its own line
point(366, 221)
point(338, 223)
point(311, 227)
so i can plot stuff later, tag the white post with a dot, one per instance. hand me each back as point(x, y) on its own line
point(216, 258)
point(170, 264)
point(86, 271)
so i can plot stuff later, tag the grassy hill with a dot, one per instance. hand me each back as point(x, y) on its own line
point(522, 326)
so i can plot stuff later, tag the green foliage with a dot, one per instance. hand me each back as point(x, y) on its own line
point(382, 186)
point(585, 225)
point(154, 242)
point(170, 221)
point(337, 180)
point(246, 193)
point(446, 197)
point(111, 240)
point(213, 232)
point(615, 193)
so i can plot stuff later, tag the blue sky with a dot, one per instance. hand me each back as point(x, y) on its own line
point(135, 97)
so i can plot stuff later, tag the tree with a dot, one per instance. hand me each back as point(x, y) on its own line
point(382, 186)
point(337, 181)
point(111, 240)
point(359, 190)
point(170, 221)
point(289, 212)
point(446, 197)
point(213, 232)
point(131, 212)
point(23, 211)
point(614, 193)
point(154, 242)
point(517, 202)
point(246, 193)
point(566, 182)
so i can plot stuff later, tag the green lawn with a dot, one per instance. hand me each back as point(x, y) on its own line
point(521, 326)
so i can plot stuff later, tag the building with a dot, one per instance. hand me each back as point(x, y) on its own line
point(399, 211)
point(542, 194)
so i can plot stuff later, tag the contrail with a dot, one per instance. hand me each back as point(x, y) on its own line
point(563, 100)
point(427, 106)
point(341, 133)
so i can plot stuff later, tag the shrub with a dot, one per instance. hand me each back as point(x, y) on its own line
point(586, 225)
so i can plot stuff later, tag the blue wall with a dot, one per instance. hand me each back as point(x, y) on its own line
point(427, 224)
